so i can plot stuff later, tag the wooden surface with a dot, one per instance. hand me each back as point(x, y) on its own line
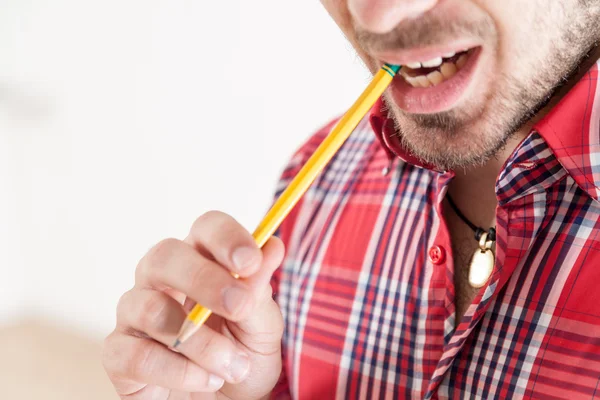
point(45, 362)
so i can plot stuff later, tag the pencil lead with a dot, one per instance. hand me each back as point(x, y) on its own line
point(177, 343)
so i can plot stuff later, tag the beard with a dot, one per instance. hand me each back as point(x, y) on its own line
point(473, 134)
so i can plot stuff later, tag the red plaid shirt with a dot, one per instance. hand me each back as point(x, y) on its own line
point(367, 293)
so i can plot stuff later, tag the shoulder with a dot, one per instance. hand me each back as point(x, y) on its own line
point(291, 169)
point(357, 146)
point(342, 168)
point(302, 154)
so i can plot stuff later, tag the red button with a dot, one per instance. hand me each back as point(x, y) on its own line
point(437, 255)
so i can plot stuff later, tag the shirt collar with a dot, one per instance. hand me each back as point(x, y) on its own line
point(571, 130)
point(385, 130)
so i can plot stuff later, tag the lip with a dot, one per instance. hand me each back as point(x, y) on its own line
point(434, 99)
point(403, 57)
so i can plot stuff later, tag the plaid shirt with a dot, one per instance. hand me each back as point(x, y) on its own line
point(367, 293)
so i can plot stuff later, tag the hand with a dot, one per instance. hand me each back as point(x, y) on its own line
point(236, 354)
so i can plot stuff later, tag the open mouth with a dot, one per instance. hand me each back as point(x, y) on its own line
point(435, 71)
point(433, 80)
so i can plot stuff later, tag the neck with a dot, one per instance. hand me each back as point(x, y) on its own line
point(480, 182)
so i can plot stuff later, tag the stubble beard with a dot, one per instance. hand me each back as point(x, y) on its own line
point(457, 139)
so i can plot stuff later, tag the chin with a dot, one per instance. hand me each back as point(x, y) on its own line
point(449, 141)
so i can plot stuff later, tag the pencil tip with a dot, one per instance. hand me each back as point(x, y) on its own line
point(177, 343)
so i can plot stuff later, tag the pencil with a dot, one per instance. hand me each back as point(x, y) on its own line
point(303, 180)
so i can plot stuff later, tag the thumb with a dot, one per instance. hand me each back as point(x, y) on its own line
point(261, 331)
point(273, 252)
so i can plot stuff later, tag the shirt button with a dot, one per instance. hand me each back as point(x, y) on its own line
point(437, 255)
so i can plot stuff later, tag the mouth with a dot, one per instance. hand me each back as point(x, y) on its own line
point(433, 81)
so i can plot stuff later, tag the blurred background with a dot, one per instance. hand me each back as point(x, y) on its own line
point(120, 123)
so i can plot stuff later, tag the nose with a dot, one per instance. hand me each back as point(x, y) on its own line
point(381, 16)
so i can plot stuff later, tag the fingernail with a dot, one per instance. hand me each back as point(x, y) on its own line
point(215, 383)
point(244, 257)
point(239, 367)
point(234, 298)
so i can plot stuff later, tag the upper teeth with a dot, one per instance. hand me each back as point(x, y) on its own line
point(413, 65)
point(434, 62)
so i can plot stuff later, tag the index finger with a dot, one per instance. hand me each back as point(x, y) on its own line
point(227, 241)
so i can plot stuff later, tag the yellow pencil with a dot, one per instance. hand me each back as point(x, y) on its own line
point(303, 180)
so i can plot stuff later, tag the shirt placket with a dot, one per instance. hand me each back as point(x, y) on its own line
point(455, 338)
point(511, 245)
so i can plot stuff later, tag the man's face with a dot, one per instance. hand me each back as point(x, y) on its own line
point(501, 60)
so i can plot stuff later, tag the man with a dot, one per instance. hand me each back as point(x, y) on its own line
point(470, 270)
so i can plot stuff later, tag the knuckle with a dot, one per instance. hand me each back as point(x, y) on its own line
point(116, 357)
point(108, 353)
point(199, 278)
point(123, 306)
point(207, 347)
point(216, 219)
point(138, 362)
point(181, 373)
point(157, 256)
point(267, 292)
point(162, 251)
point(278, 324)
point(152, 311)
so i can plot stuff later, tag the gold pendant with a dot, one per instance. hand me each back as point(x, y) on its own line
point(482, 263)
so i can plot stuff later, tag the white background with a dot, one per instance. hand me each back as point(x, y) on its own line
point(122, 121)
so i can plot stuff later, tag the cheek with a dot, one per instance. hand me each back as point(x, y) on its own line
point(525, 28)
point(520, 38)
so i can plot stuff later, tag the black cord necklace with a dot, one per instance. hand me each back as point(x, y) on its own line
point(482, 262)
point(478, 231)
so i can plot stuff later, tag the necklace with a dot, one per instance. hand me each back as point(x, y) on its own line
point(482, 262)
